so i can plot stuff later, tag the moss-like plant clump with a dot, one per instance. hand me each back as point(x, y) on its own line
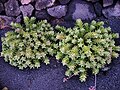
point(86, 46)
point(29, 44)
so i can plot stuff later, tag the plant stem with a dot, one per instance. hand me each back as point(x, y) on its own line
point(65, 79)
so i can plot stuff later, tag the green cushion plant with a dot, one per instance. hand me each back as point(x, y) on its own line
point(86, 46)
point(30, 44)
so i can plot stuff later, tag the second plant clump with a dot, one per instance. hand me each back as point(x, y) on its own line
point(86, 46)
point(83, 47)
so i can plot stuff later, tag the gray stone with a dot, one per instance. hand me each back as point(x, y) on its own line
point(27, 10)
point(112, 11)
point(57, 11)
point(5, 88)
point(1, 7)
point(5, 21)
point(25, 1)
point(42, 14)
point(98, 9)
point(81, 9)
point(42, 4)
point(19, 19)
point(107, 3)
point(12, 8)
point(64, 1)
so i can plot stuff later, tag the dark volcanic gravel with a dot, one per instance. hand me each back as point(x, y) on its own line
point(50, 78)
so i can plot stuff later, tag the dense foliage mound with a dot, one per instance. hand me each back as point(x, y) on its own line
point(86, 47)
point(29, 44)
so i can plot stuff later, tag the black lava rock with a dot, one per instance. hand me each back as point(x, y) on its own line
point(57, 11)
point(64, 1)
point(98, 9)
point(107, 3)
point(42, 14)
point(42, 4)
point(27, 10)
point(112, 11)
point(1, 7)
point(80, 9)
point(12, 8)
point(19, 19)
point(62, 22)
point(3, 1)
point(5, 21)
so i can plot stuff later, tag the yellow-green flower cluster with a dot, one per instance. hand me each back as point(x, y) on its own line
point(86, 46)
point(29, 45)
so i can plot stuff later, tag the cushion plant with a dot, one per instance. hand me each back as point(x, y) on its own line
point(29, 44)
point(86, 46)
